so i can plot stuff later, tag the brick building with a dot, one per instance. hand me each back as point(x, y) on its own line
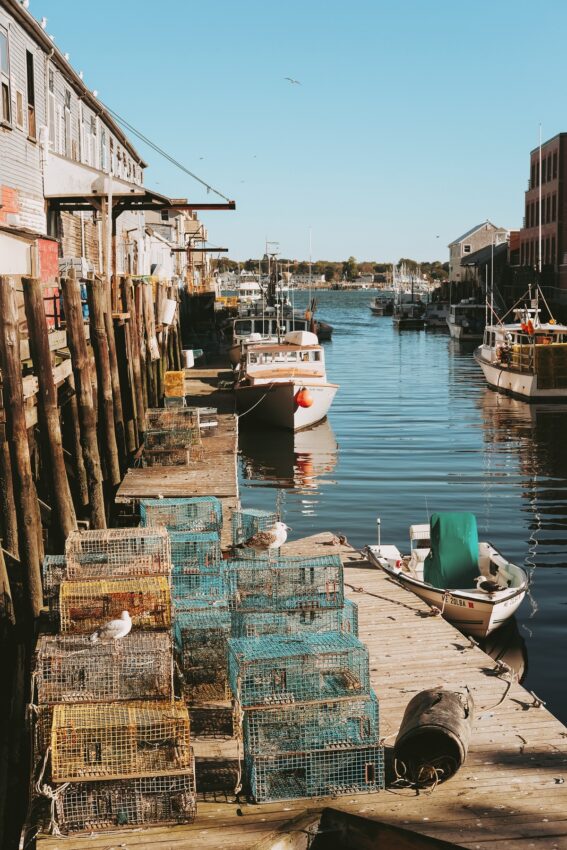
point(553, 215)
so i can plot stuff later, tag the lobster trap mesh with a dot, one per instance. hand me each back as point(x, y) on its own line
point(200, 513)
point(85, 606)
point(321, 773)
point(247, 523)
point(54, 570)
point(116, 552)
point(317, 726)
point(166, 457)
point(172, 438)
point(171, 419)
point(287, 584)
point(73, 669)
point(201, 641)
point(119, 740)
point(191, 591)
point(275, 670)
point(119, 804)
point(254, 624)
point(195, 551)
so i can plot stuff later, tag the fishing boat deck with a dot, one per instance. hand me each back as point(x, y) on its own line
point(510, 793)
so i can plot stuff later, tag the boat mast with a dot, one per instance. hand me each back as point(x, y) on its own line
point(539, 215)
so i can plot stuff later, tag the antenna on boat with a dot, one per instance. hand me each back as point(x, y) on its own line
point(378, 529)
point(427, 511)
point(539, 203)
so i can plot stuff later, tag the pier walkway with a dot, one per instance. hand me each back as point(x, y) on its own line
point(510, 793)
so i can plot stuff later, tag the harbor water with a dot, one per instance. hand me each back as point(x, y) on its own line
point(414, 429)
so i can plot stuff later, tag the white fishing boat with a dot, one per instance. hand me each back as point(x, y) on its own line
point(436, 314)
point(285, 384)
point(382, 305)
point(526, 358)
point(466, 320)
point(471, 584)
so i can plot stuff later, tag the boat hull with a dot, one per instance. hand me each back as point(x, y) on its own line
point(461, 333)
point(517, 384)
point(274, 404)
point(409, 324)
point(469, 613)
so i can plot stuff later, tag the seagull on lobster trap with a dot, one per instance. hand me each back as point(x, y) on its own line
point(268, 540)
point(114, 629)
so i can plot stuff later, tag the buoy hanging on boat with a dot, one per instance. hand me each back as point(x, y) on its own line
point(303, 398)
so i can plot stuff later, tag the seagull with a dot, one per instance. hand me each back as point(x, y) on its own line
point(271, 538)
point(114, 629)
point(292, 81)
point(487, 585)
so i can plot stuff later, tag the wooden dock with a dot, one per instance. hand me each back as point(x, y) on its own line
point(511, 792)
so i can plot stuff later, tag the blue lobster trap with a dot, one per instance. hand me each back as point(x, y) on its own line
point(201, 642)
point(247, 523)
point(53, 571)
point(319, 773)
point(254, 624)
point(198, 591)
point(312, 726)
point(276, 670)
point(195, 551)
point(200, 513)
point(287, 584)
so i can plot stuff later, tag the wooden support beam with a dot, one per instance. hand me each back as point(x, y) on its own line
point(135, 347)
point(25, 496)
point(86, 412)
point(7, 503)
point(48, 412)
point(115, 378)
point(72, 409)
point(139, 311)
point(99, 342)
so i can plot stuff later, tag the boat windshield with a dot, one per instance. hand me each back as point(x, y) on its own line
point(267, 358)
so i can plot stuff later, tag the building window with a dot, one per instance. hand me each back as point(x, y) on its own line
point(554, 164)
point(20, 110)
point(549, 167)
point(67, 124)
point(103, 151)
point(532, 179)
point(553, 207)
point(31, 94)
point(552, 258)
point(466, 249)
point(5, 103)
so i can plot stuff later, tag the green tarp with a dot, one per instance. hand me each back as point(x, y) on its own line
point(453, 559)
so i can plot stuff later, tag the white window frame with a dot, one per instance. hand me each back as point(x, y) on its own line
point(6, 81)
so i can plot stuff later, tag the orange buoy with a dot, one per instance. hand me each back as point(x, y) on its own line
point(303, 398)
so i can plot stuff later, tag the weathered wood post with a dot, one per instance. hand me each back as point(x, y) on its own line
point(81, 370)
point(136, 364)
point(100, 346)
point(48, 412)
point(115, 377)
point(7, 502)
point(75, 428)
point(25, 496)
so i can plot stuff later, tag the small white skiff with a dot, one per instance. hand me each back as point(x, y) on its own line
point(490, 598)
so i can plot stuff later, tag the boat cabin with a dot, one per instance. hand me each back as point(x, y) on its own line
point(285, 360)
point(264, 326)
point(466, 311)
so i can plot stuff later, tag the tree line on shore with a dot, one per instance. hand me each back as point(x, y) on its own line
point(333, 270)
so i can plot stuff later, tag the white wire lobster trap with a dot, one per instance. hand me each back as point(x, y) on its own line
point(122, 804)
point(119, 740)
point(85, 606)
point(116, 552)
point(54, 571)
point(199, 513)
point(72, 669)
point(172, 419)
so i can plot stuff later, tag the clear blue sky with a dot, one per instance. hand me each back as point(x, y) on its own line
point(414, 119)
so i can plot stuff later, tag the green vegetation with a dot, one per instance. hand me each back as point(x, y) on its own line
point(335, 271)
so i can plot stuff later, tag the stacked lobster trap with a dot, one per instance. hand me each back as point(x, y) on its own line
point(112, 745)
point(306, 715)
point(172, 437)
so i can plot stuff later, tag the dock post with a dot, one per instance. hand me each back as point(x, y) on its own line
point(25, 495)
point(48, 411)
point(114, 375)
point(81, 370)
point(135, 348)
point(7, 503)
point(99, 342)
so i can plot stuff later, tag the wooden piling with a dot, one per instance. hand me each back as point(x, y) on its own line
point(135, 348)
point(81, 370)
point(139, 310)
point(7, 503)
point(75, 429)
point(115, 378)
point(48, 412)
point(100, 346)
point(25, 496)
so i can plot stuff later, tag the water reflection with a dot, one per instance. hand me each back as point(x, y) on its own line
point(289, 461)
point(507, 646)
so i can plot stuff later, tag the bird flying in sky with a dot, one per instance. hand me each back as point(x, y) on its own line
point(292, 81)
point(114, 629)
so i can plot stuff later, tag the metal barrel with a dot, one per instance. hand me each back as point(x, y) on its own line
point(434, 736)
